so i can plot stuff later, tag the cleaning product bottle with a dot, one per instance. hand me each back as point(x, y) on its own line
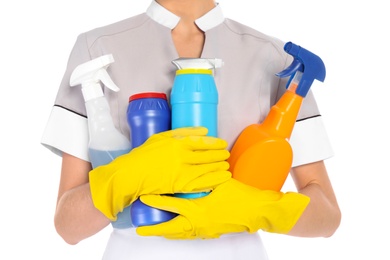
point(148, 113)
point(105, 141)
point(262, 156)
point(194, 98)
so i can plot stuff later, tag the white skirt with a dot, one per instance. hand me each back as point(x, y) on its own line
point(125, 244)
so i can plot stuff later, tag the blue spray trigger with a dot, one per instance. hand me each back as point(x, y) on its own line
point(311, 66)
point(290, 70)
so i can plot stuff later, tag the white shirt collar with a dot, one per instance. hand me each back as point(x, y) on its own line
point(164, 17)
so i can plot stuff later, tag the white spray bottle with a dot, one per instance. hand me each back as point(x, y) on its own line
point(105, 141)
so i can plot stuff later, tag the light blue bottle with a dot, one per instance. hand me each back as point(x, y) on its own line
point(194, 98)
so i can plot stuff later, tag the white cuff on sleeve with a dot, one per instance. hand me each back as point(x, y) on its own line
point(66, 132)
point(310, 142)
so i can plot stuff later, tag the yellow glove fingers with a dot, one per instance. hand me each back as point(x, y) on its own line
point(176, 228)
point(173, 229)
point(202, 177)
point(169, 203)
point(207, 156)
point(178, 133)
point(206, 181)
point(186, 131)
point(189, 224)
point(210, 167)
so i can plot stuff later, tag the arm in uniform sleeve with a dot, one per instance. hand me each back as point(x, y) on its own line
point(67, 127)
point(66, 134)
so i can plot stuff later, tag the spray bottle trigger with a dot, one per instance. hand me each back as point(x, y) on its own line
point(310, 65)
point(86, 71)
point(102, 74)
point(290, 70)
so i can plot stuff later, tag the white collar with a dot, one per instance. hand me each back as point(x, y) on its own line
point(164, 17)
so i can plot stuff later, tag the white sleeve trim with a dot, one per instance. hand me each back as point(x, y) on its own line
point(310, 142)
point(66, 132)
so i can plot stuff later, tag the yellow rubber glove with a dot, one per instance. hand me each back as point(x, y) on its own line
point(231, 207)
point(180, 160)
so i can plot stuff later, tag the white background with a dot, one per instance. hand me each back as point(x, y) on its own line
point(350, 36)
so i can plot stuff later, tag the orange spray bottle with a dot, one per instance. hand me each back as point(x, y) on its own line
point(262, 155)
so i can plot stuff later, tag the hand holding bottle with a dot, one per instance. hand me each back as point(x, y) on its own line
point(231, 207)
point(180, 160)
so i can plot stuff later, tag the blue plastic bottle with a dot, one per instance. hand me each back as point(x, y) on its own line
point(147, 114)
point(194, 99)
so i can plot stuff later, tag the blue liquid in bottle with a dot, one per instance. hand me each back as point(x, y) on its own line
point(104, 157)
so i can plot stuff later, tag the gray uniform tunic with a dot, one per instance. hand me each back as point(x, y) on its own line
point(143, 49)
